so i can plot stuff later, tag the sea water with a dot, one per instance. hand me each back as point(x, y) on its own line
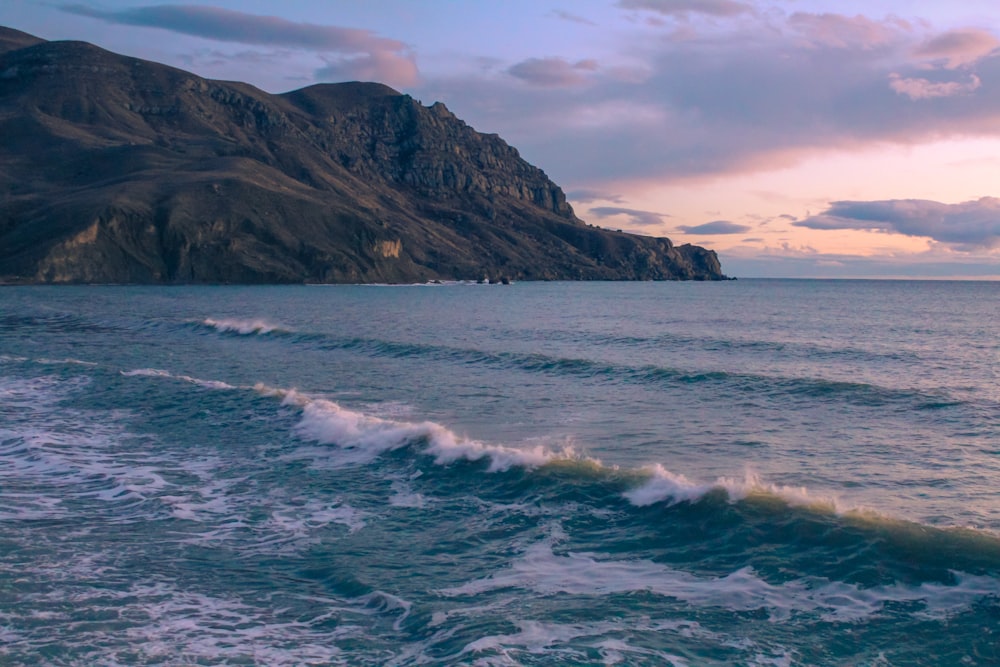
point(758, 472)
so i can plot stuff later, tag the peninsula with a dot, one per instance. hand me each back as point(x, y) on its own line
point(120, 170)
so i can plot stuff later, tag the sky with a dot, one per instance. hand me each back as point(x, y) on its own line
point(797, 138)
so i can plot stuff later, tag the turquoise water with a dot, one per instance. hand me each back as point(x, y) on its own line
point(758, 472)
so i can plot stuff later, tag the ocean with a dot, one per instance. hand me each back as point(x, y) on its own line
point(753, 472)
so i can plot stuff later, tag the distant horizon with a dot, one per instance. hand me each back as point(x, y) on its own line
point(812, 138)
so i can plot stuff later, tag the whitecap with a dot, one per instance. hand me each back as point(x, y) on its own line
point(159, 373)
point(244, 327)
point(665, 486)
point(361, 437)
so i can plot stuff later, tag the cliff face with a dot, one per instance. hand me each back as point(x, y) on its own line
point(114, 169)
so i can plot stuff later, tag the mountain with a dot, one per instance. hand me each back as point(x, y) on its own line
point(116, 169)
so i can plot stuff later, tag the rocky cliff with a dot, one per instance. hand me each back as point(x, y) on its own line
point(115, 169)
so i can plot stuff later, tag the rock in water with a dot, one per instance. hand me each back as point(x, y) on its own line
point(116, 169)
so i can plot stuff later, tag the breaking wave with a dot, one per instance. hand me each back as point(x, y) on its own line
point(244, 327)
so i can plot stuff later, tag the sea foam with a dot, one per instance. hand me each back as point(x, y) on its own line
point(545, 572)
point(664, 486)
point(243, 327)
point(159, 373)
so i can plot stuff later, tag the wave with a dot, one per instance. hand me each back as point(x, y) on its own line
point(352, 438)
point(245, 327)
point(757, 384)
point(361, 438)
point(858, 393)
point(156, 372)
point(44, 361)
point(671, 341)
point(669, 488)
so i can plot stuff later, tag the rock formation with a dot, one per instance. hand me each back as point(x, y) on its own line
point(115, 169)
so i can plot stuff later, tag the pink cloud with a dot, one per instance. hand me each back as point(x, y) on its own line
point(381, 66)
point(553, 72)
point(922, 89)
point(737, 99)
point(845, 32)
point(350, 53)
point(959, 48)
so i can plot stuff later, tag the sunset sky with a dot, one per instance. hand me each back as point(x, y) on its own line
point(795, 137)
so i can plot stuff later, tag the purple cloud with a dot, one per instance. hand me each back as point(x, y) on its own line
point(363, 54)
point(919, 88)
point(684, 7)
point(636, 217)
point(689, 115)
point(969, 225)
point(585, 196)
point(716, 227)
point(377, 66)
point(845, 32)
point(957, 48)
point(552, 72)
point(573, 18)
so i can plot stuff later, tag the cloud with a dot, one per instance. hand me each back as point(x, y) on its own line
point(586, 196)
point(738, 99)
point(376, 66)
point(936, 262)
point(685, 7)
point(958, 48)
point(922, 89)
point(573, 18)
point(966, 226)
point(361, 52)
point(552, 72)
point(845, 32)
point(716, 227)
point(636, 217)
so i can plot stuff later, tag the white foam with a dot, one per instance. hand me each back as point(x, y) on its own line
point(541, 637)
point(361, 438)
point(64, 453)
point(244, 327)
point(159, 373)
point(301, 520)
point(664, 486)
point(167, 625)
point(542, 571)
point(9, 358)
point(148, 372)
point(404, 496)
point(68, 361)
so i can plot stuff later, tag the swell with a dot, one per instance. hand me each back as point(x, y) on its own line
point(721, 524)
point(600, 371)
point(858, 393)
point(647, 374)
point(671, 341)
point(53, 322)
point(749, 511)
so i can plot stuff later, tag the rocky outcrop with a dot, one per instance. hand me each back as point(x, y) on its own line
point(115, 169)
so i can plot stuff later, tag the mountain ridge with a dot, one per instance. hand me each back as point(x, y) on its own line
point(117, 169)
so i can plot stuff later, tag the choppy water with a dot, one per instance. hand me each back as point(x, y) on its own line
point(743, 473)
